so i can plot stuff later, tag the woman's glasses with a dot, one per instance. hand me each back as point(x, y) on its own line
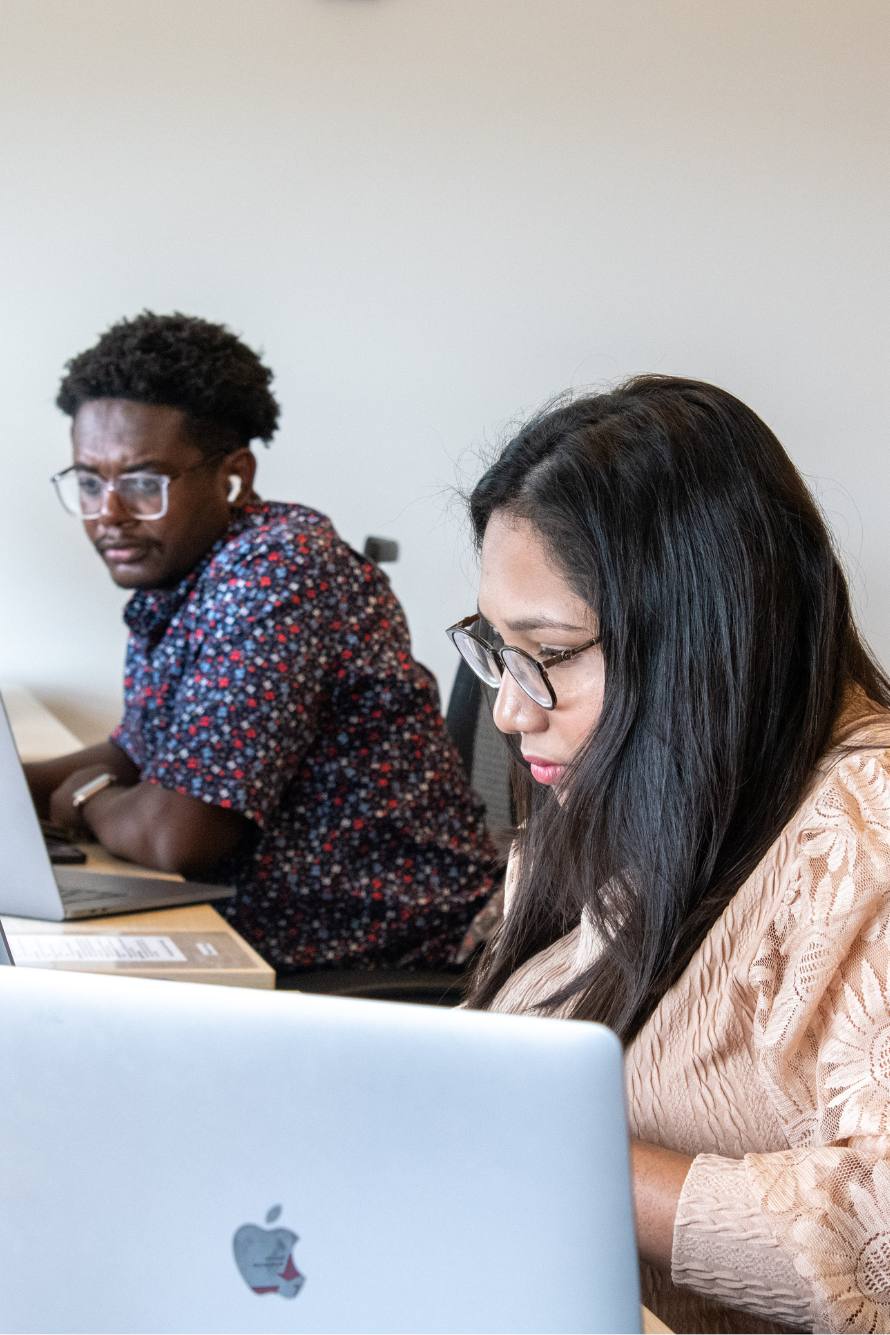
point(489, 663)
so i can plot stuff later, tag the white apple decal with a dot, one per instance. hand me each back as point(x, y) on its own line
point(264, 1258)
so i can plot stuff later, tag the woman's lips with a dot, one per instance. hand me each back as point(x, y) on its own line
point(543, 771)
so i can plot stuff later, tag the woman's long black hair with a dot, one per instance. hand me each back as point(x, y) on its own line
point(728, 642)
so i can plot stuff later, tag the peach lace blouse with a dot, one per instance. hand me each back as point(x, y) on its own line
point(769, 1062)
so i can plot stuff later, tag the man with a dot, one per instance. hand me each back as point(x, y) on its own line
point(277, 734)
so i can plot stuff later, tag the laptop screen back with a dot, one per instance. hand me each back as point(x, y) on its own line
point(27, 884)
point(191, 1158)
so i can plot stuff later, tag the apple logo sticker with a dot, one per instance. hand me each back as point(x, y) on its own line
point(264, 1258)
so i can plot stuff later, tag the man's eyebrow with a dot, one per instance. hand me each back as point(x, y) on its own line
point(143, 466)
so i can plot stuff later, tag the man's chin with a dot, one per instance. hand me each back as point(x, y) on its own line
point(132, 575)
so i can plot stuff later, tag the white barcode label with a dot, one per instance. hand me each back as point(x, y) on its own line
point(37, 948)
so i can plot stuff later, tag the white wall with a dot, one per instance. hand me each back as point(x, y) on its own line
point(431, 215)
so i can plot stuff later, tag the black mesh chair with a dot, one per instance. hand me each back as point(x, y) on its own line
point(423, 987)
point(483, 751)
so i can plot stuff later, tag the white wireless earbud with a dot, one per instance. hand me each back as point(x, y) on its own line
point(234, 487)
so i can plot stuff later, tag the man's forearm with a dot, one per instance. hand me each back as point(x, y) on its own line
point(151, 825)
point(131, 823)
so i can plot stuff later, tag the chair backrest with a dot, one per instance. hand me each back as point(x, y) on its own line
point(481, 747)
point(380, 549)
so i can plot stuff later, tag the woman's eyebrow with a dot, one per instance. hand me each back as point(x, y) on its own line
point(538, 622)
point(543, 622)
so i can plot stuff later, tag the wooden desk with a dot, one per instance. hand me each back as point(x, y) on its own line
point(39, 735)
point(653, 1325)
point(194, 944)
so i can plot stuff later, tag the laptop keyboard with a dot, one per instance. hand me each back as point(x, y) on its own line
point(85, 889)
point(79, 895)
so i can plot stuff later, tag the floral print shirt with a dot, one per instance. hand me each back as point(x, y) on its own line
point(276, 680)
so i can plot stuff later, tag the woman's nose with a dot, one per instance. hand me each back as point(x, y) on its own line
point(514, 711)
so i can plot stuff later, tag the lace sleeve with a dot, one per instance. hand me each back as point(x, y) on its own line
point(822, 1048)
point(510, 874)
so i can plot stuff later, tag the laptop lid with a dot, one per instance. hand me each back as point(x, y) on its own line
point(27, 884)
point(31, 888)
point(5, 953)
point(193, 1158)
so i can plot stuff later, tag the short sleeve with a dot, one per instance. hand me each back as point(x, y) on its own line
point(247, 709)
point(817, 1212)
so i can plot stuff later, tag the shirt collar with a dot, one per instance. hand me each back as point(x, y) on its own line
point(150, 611)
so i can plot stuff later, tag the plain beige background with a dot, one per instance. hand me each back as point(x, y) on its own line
point(432, 215)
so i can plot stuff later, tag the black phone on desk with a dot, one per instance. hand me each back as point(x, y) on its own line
point(59, 847)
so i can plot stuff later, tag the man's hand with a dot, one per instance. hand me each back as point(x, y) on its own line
point(46, 776)
point(135, 819)
point(62, 810)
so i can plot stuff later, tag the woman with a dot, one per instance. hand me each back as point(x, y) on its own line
point(703, 858)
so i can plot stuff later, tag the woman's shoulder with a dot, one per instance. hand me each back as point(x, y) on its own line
point(829, 870)
point(850, 794)
point(829, 861)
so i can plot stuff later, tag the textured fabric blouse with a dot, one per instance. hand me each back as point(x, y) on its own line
point(769, 1062)
point(277, 680)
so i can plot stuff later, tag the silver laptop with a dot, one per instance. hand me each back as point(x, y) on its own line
point(30, 887)
point(180, 1157)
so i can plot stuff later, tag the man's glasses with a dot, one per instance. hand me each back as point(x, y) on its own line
point(489, 663)
point(144, 495)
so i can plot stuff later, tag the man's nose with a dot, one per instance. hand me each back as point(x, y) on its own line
point(515, 711)
point(112, 510)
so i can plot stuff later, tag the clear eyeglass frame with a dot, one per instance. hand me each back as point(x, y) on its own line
point(144, 494)
point(490, 663)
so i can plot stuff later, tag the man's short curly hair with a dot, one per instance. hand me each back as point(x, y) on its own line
point(178, 361)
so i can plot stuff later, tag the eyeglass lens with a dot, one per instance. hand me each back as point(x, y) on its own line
point(477, 657)
point(141, 494)
point(528, 674)
point(524, 670)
